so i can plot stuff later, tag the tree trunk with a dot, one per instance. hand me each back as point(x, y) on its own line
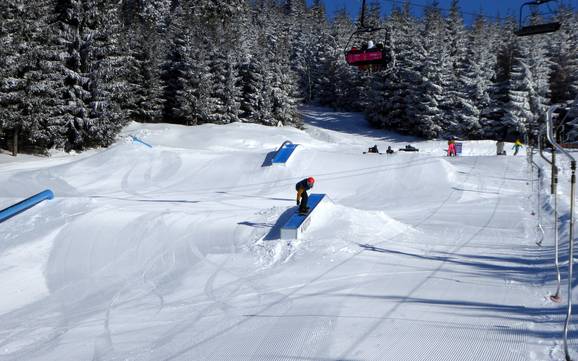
point(15, 143)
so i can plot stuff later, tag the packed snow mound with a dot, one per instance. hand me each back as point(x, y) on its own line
point(173, 252)
point(218, 138)
point(334, 228)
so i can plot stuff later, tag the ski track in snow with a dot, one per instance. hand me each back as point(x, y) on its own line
point(167, 253)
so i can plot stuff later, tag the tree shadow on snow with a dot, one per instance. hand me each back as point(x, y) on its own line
point(350, 123)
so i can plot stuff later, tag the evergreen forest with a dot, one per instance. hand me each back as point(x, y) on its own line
point(74, 72)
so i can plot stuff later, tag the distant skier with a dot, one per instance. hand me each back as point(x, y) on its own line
point(373, 149)
point(409, 148)
point(517, 146)
point(452, 148)
point(500, 147)
point(302, 197)
point(389, 150)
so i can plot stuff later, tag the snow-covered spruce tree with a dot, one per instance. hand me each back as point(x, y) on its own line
point(563, 45)
point(12, 24)
point(298, 30)
point(461, 107)
point(480, 64)
point(396, 106)
point(177, 74)
point(252, 74)
point(225, 65)
point(226, 92)
point(31, 91)
point(495, 124)
point(429, 101)
point(335, 87)
point(144, 102)
point(108, 57)
point(323, 47)
point(519, 115)
point(529, 91)
point(255, 94)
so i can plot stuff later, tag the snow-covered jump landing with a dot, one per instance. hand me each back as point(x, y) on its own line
point(166, 253)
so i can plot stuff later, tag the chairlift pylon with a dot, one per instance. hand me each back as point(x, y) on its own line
point(527, 29)
point(369, 56)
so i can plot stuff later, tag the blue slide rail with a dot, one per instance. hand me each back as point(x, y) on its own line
point(20, 207)
point(298, 223)
point(284, 152)
point(138, 140)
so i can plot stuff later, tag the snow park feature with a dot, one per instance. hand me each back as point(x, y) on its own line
point(298, 223)
point(168, 256)
point(27, 203)
point(140, 141)
point(284, 152)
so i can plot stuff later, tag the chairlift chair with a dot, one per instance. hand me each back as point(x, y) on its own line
point(525, 29)
point(374, 58)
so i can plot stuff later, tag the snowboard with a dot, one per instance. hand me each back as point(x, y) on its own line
point(306, 212)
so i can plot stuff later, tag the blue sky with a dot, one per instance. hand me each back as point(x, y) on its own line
point(490, 8)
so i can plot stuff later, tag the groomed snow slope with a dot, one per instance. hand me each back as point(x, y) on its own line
point(172, 252)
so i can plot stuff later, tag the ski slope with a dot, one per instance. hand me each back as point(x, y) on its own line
point(173, 252)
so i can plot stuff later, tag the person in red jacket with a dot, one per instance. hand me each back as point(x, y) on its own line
point(452, 148)
point(302, 197)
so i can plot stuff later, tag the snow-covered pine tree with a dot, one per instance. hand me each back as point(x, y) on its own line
point(429, 102)
point(144, 101)
point(563, 45)
point(335, 87)
point(12, 25)
point(495, 124)
point(461, 108)
point(108, 72)
point(396, 109)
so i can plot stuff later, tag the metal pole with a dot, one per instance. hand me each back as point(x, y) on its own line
point(539, 206)
point(571, 230)
point(554, 193)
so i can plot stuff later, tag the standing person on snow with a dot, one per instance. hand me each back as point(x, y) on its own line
point(452, 148)
point(517, 146)
point(302, 197)
point(500, 147)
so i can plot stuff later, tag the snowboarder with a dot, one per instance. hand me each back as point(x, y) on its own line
point(409, 148)
point(373, 149)
point(517, 146)
point(389, 150)
point(500, 147)
point(302, 197)
point(452, 148)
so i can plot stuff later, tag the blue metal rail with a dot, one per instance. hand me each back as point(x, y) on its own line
point(284, 152)
point(20, 207)
point(298, 222)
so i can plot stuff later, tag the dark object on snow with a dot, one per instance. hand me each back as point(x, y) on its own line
point(409, 148)
point(389, 150)
point(373, 149)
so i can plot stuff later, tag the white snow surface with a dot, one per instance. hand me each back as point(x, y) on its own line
point(173, 252)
